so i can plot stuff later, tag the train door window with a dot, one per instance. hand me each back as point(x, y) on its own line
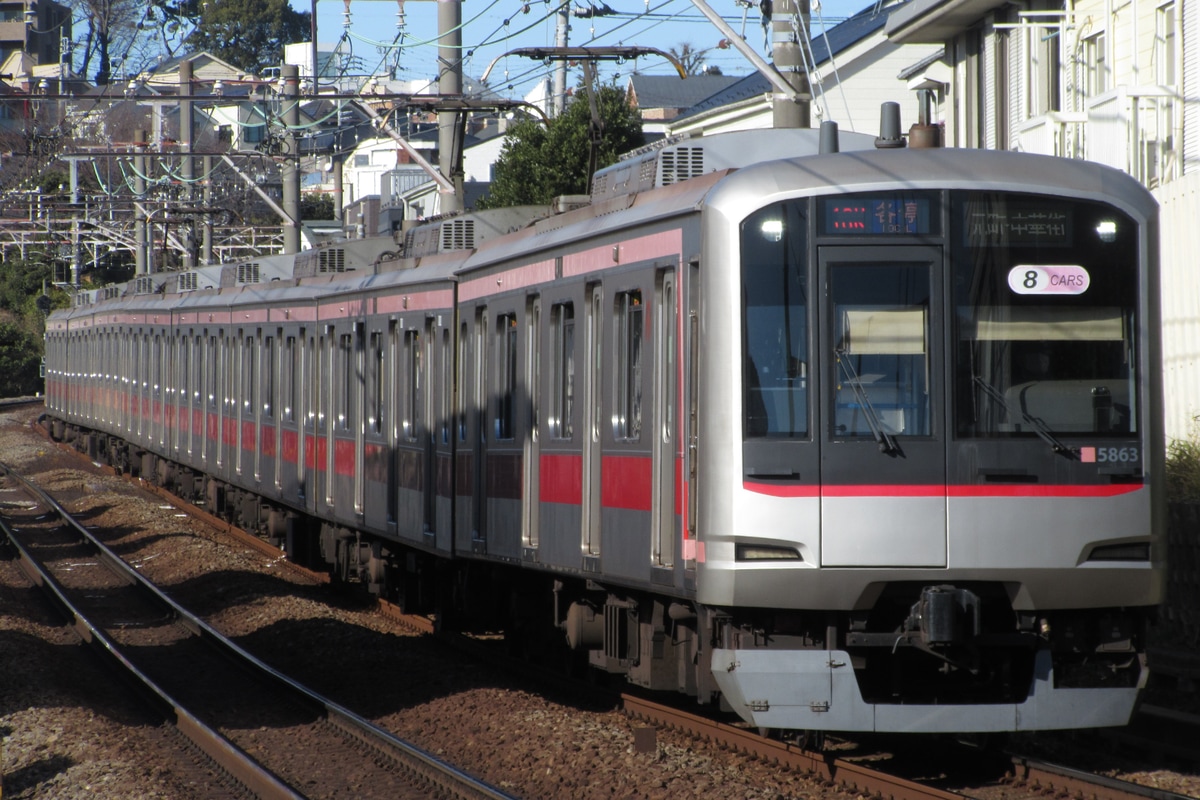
point(250, 378)
point(464, 348)
point(412, 384)
point(666, 341)
point(881, 349)
point(506, 375)
point(341, 384)
point(291, 379)
point(317, 397)
point(270, 366)
point(444, 399)
point(479, 358)
point(627, 402)
point(375, 384)
point(562, 389)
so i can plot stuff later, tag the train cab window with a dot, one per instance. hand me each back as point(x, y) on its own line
point(1046, 294)
point(630, 328)
point(506, 374)
point(562, 393)
point(881, 349)
point(775, 347)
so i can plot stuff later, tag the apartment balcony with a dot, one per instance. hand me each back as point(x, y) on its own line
point(1130, 128)
point(1055, 133)
point(1134, 128)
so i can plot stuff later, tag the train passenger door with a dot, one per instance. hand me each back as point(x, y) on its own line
point(883, 463)
point(663, 458)
point(592, 423)
point(531, 456)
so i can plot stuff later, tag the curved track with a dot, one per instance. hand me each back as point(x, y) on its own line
point(274, 737)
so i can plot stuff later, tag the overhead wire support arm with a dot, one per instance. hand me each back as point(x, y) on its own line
point(768, 70)
point(443, 183)
point(585, 54)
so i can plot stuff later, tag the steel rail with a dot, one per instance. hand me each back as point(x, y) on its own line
point(453, 781)
point(239, 765)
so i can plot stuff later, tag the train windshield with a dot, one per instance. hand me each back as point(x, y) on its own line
point(1045, 297)
point(775, 322)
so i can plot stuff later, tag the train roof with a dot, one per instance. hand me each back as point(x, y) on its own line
point(942, 168)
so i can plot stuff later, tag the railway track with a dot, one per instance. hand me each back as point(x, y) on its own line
point(272, 736)
point(1022, 776)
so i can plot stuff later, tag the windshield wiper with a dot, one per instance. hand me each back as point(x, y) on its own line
point(887, 442)
point(1040, 428)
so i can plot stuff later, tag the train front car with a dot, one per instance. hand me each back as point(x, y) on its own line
point(938, 374)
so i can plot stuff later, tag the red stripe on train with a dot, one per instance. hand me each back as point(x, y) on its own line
point(926, 490)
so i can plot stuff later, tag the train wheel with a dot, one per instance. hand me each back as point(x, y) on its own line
point(813, 741)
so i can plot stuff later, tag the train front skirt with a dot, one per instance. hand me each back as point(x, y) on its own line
point(816, 690)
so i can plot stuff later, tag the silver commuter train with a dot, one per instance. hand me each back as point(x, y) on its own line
point(857, 441)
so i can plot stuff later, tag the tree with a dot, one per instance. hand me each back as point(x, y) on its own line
point(20, 362)
point(250, 34)
point(316, 206)
point(690, 58)
point(539, 163)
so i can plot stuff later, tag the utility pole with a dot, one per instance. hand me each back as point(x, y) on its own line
point(790, 21)
point(563, 24)
point(450, 83)
point(141, 266)
point(186, 169)
point(290, 74)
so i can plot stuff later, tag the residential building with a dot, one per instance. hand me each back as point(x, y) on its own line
point(857, 69)
point(1109, 82)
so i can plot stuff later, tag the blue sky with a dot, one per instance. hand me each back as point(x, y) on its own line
point(495, 27)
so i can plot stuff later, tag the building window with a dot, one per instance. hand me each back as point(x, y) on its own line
point(1096, 62)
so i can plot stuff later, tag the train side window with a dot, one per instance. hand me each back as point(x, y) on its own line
point(627, 416)
point(506, 374)
point(562, 392)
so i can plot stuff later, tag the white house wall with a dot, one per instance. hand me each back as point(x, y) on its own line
point(1180, 209)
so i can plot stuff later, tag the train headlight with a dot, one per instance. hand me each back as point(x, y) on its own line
point(765, 552)
point(772, 229)
point(1107, 230)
